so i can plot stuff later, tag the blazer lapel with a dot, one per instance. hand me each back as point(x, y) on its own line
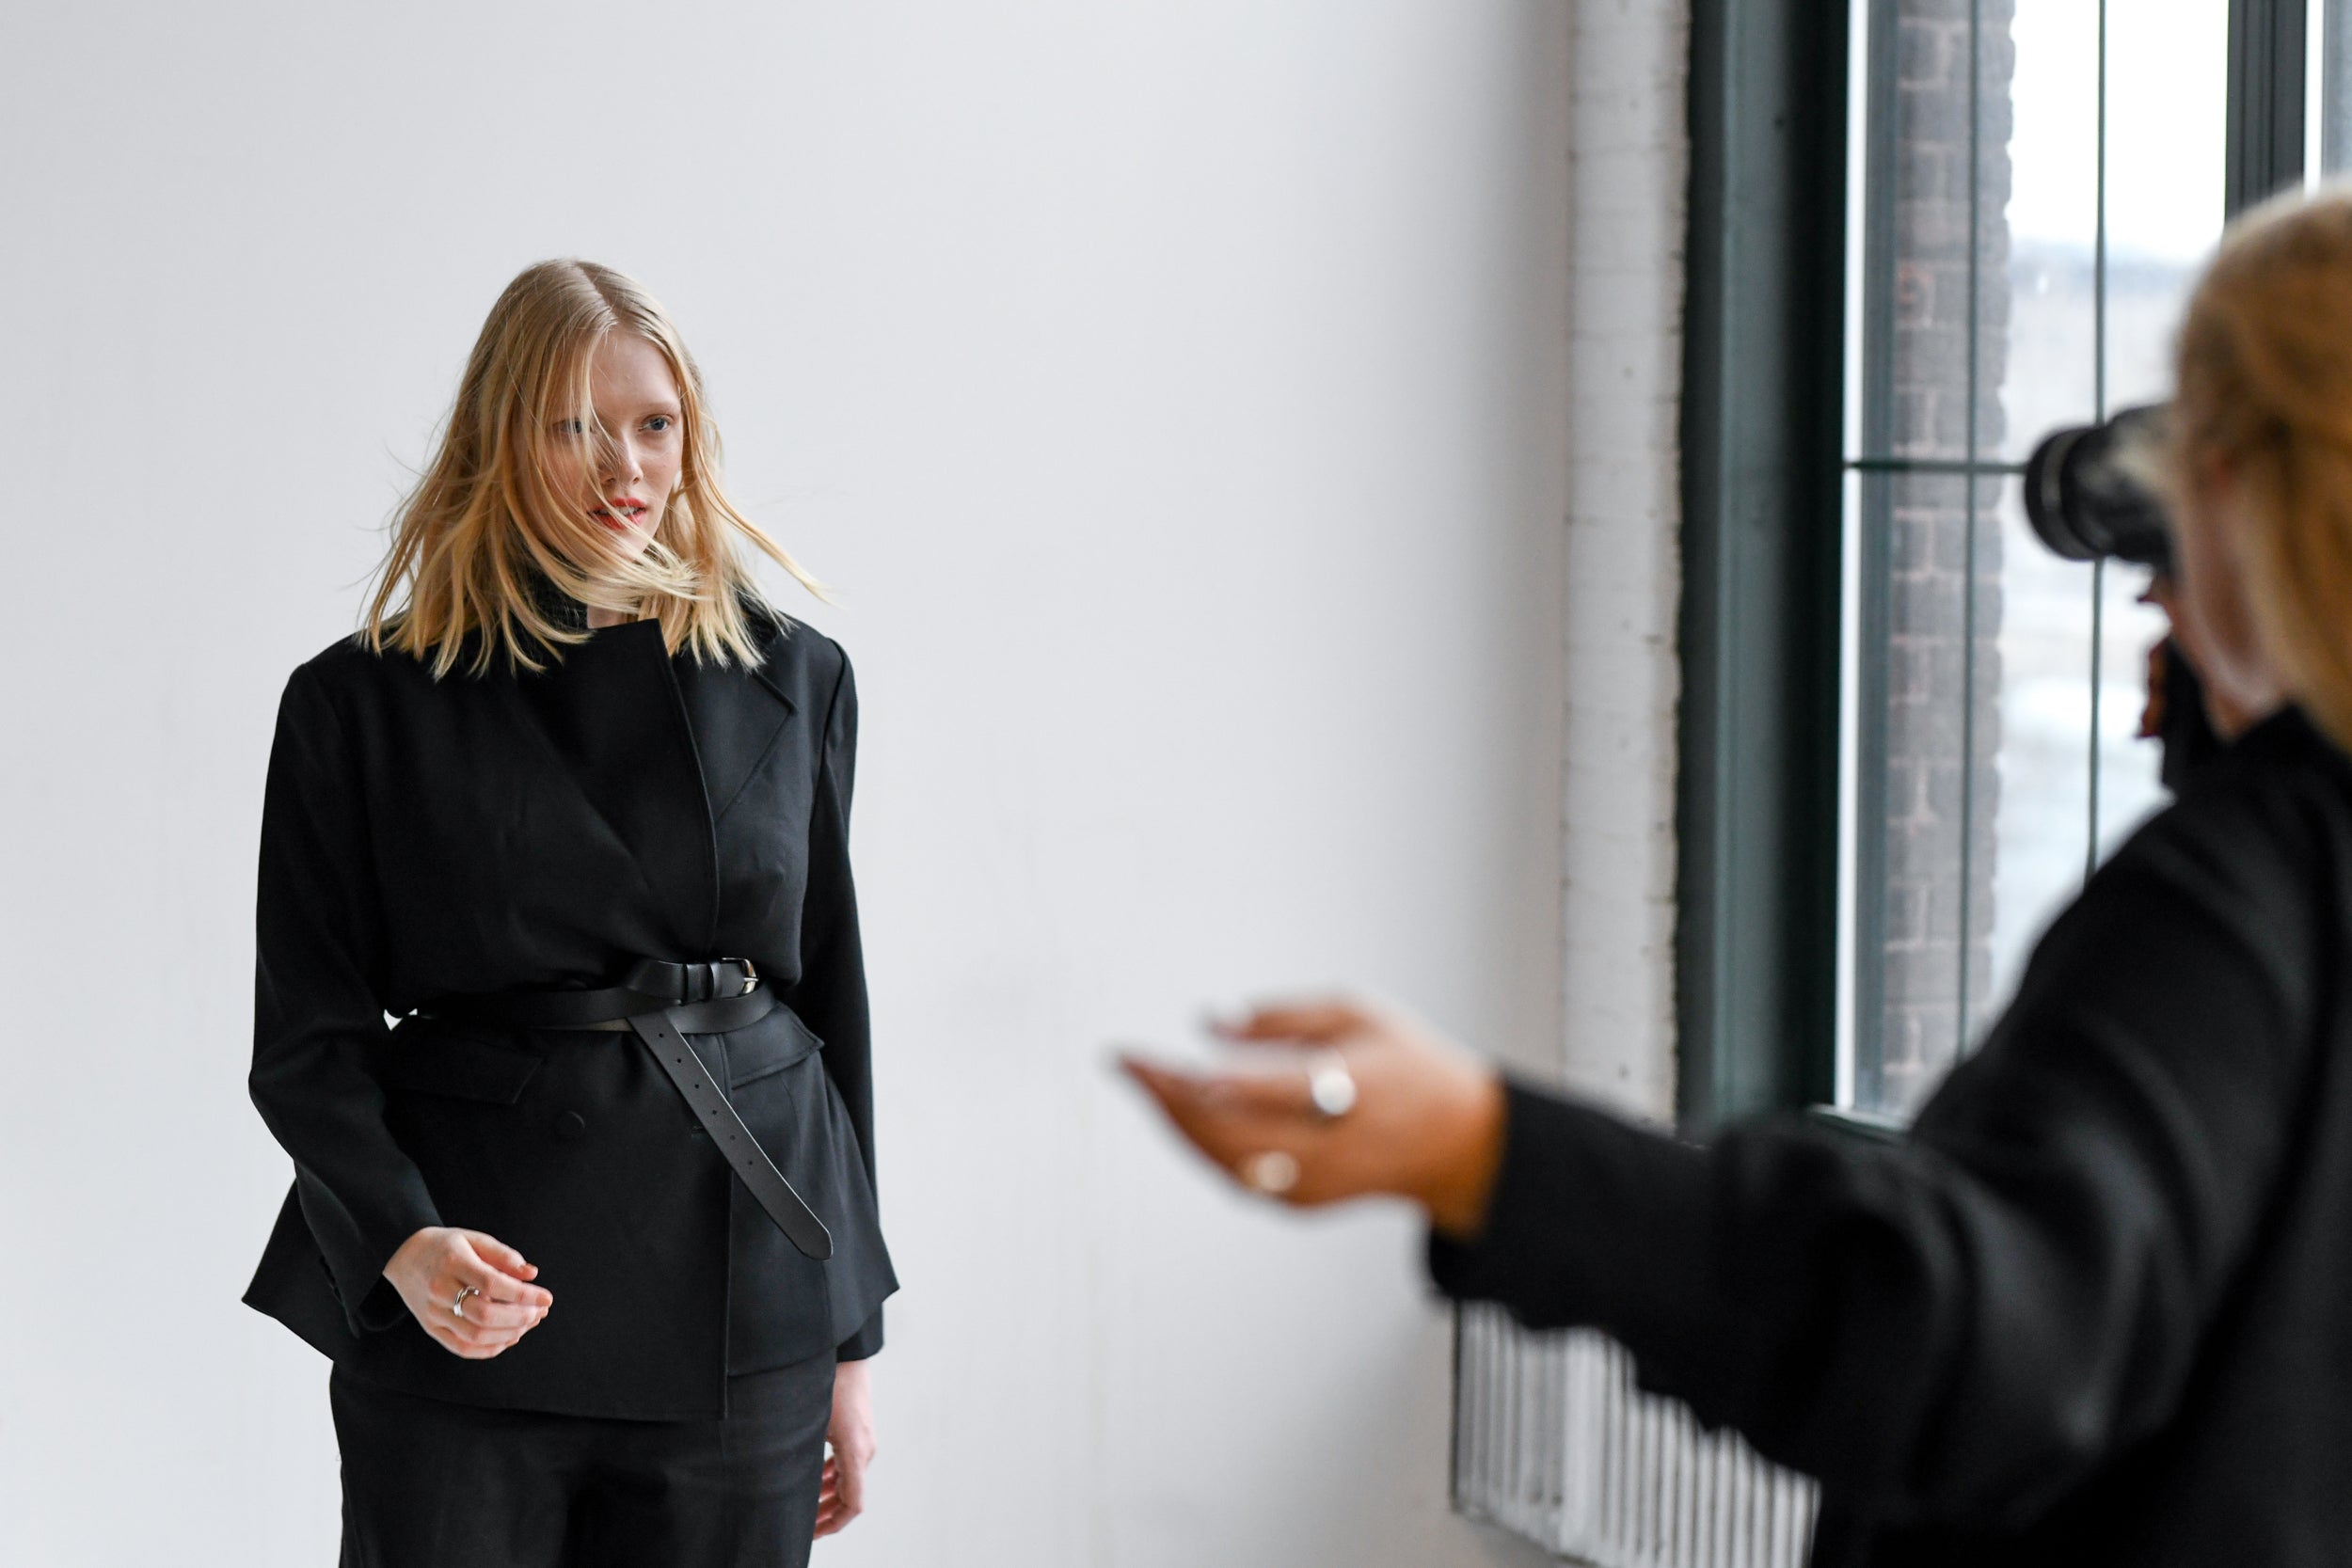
point(612, 712)
point(737, 717)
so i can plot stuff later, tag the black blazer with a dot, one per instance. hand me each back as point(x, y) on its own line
point(525, 830)
point(2098, 1308)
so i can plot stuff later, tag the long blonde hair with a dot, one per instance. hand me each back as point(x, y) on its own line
point(2264, 367)
point(496, 510)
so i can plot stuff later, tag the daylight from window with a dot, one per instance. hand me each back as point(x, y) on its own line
point(2166, 136)
point(2007, 278)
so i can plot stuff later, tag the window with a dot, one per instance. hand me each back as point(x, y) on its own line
point(2034, 186)
point(2014, 198)
point(1922, 232)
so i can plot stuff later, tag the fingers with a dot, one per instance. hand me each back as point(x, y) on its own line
point(487, 1313)
point(474, 1342)
point(484, 1328)
point(1404, 1112)
point(828, 1512)
point(851, 1484)
point(481, 1345)
point(1280, 1095)
point(1252, 1101)
point(500, 1306)
point(503, 1274)
point(1301, 1023)
point(1230, 1118)
point(499, 1291)
point(462, 1289)
point(840, 1496)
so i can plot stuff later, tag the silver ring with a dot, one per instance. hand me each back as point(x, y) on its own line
point(1331, 1087)
point(1272, 1173)
point(458, 1307)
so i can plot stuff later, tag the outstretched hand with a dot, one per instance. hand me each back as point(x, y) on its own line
point(500, 1304)
point(1419, 1119)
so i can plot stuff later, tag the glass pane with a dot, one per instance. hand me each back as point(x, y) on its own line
point(1995, 690)
point(2166, 134)
point(2335, 86)
point(1926, 733)
point(2043, 760)
point(2042, 756)
point(1934, 250)
point(2168, 129)
point(2050, 360)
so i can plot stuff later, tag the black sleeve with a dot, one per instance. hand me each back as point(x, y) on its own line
point(1961, 1326)
point(830, 996)
point(318, 1013)
point(866, 1342)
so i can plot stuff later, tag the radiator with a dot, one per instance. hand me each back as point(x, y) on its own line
point(1553, 1442)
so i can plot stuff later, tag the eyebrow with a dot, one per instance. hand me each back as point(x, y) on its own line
point(670, 406)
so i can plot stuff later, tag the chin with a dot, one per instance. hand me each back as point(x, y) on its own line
point(628, 546)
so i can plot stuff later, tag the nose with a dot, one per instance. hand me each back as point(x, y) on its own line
point(622, 466)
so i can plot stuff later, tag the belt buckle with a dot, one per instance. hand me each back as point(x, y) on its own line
point(751, 978)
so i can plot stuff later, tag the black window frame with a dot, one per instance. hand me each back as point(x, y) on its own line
point(1762, 475)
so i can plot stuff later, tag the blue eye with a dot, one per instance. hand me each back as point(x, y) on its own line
point(660, 421)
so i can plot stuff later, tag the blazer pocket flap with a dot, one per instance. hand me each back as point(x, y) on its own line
point(770, 1046)
point(435, 1060)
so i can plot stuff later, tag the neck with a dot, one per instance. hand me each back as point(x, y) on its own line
point(599, 617)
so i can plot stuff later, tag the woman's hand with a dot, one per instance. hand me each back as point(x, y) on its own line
point(841, 1497)
point(500, 1304)
point(1426, 1123)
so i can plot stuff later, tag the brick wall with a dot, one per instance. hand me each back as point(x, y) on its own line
point(1631, 160)
point(1935, 767)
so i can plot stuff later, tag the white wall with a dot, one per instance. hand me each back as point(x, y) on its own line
point(1177, 394)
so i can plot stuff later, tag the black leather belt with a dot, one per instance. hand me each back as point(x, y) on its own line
point(662, 1003)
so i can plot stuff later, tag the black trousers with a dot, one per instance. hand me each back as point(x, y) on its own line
point(430, 1485)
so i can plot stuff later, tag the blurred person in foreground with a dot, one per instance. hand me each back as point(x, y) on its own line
point(2097, 1307)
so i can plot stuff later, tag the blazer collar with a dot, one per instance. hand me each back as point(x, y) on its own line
point(740, 713)
point(769, 630)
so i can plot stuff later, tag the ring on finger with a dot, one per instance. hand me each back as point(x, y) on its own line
point(1272, 1172)
point(457, 1306)
point(1331, 1087)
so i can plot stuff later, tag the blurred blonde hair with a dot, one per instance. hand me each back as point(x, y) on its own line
point(503, 498)
point(2264, 387)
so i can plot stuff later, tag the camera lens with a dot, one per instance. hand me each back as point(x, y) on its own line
point(2085, 502)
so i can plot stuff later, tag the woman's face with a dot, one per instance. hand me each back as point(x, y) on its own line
point(636, 399)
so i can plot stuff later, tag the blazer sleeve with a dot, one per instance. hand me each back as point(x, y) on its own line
point(830, 995)
point(1960, 1328)
point(318, 1010)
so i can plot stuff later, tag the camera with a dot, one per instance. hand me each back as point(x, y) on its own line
point(2086, 499)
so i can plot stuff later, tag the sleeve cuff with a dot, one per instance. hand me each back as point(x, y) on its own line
point(866, 1343)
point(1593, 1222)
point(354, 1255)
point(379, 1309)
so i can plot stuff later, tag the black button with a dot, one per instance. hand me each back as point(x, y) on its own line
point(571, 1124)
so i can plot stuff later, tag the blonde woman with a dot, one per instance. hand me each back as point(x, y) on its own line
point(2098, 1308)
point(589, 1232)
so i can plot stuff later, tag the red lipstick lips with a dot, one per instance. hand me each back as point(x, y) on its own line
point(621, 510)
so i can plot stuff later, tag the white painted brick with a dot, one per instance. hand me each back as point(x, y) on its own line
point(1623, 555)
